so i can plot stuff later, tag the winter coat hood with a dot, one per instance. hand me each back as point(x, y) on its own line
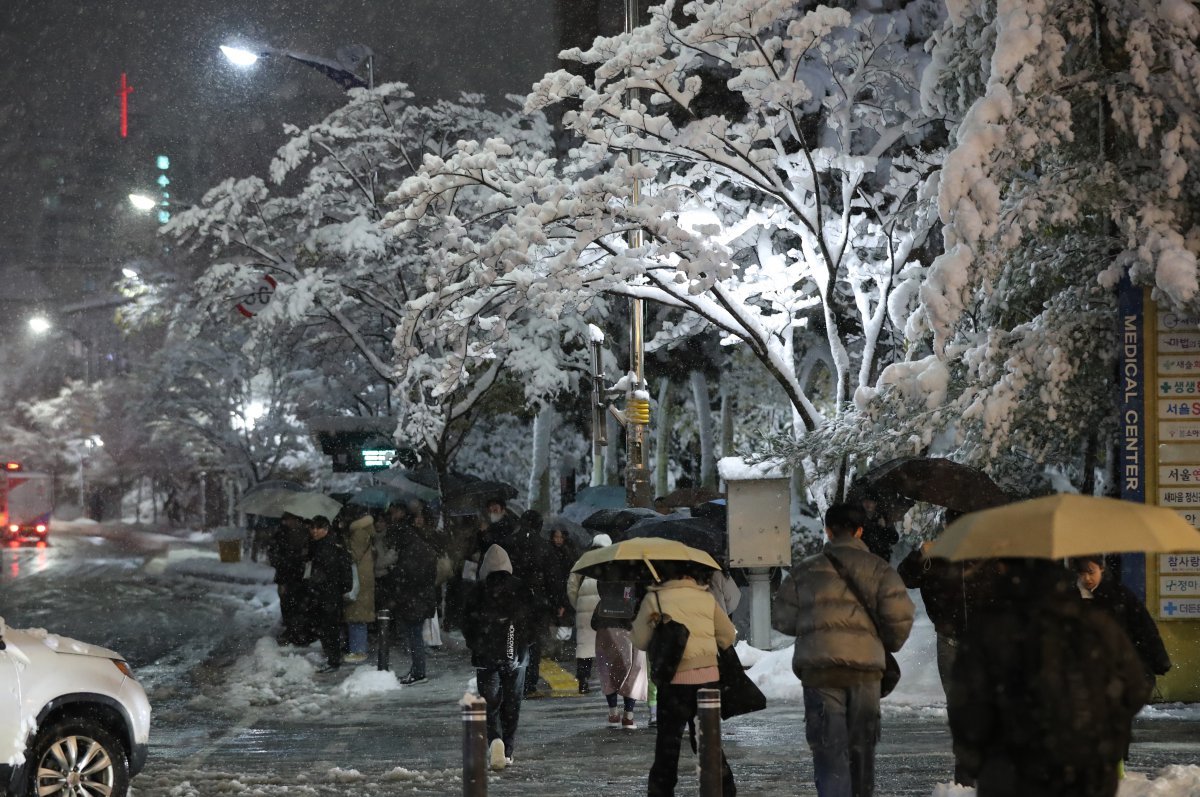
point(495, 561)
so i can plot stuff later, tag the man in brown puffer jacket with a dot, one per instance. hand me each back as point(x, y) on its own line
point(839, 655)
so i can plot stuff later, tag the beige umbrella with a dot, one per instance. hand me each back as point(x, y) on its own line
point(1059, 526)
point(309, 505)
point(634, 559)
point(265, 502)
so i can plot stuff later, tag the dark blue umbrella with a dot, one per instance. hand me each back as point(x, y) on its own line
point(695, 532)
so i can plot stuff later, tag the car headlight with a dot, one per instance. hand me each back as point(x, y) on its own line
point(124, 667)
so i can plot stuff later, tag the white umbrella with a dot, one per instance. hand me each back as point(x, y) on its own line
point(309, 505)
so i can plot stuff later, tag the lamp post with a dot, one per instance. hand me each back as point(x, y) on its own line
point(342, 71)
point(637, 401)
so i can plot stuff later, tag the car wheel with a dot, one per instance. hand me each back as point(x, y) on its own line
point(77, 757)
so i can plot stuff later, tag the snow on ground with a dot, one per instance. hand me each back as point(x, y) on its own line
point(287, 680)
point(1173, 781)
point(215, 783)
point(205, 564)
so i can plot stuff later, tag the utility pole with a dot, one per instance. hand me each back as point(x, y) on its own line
point(637, 398)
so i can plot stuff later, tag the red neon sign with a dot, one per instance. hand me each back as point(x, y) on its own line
point(124, 93)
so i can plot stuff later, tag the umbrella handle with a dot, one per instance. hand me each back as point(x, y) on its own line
point(650, 565)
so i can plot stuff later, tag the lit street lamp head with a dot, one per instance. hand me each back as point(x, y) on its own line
point(39, 325)
point(143, 202)
point(238, 56)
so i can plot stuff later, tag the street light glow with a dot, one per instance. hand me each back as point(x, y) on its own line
point(129, 273)
point(39, 325)
point(239, 57)
point(143, 202)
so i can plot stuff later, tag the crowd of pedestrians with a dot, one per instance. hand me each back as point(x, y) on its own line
point(1044, 666)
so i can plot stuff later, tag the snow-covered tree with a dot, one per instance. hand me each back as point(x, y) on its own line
point(785, 195)
point(1073, 162)
point(356, 291)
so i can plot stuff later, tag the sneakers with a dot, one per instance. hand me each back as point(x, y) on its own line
point(355, 658)
point(496, 755)
point(413, 679)
point(614, 717)
point(584, 687)
point(328, 668)
point(627, 721)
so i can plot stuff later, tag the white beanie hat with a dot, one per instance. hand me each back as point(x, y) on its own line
point(601, 541)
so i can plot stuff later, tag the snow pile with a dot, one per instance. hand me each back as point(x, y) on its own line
point(733, 469)
point(364, 683)
point(206, 565)
point(335, 782)
point(270, 677)
point(400, 774)
point(1173, 781)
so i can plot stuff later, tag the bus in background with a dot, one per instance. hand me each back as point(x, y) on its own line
point(26, 501)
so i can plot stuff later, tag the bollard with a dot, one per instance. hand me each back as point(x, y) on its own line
point(384, 618)
point(474, 717)
point(708, 724)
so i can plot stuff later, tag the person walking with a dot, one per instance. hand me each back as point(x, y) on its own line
point(413, 589)
point(1128, 610)
point(621, 667)
point(560, 558)
point(1044, 690)
point(360, 611)
point(684, 596)
point(328, 580)
point(840, 649)
point(496, 627)
point(584, 595)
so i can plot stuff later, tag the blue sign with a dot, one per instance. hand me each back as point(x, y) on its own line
point(1131, 401)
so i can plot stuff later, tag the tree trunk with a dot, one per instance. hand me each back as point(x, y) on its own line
point(704, 420)
point(539, 471)
point(662, 439)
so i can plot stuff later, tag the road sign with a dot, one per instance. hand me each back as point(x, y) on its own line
point(1179, 608)
point(1179, 563)
point(257, 300)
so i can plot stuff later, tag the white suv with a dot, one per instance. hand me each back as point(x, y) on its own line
point(73, 720)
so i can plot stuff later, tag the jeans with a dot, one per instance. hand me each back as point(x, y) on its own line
point(503, 687)
point(842, 728)
point(677, 705)
point(358, 637)
point(416, 646)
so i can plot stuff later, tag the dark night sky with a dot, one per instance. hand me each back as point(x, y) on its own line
point(67, 171)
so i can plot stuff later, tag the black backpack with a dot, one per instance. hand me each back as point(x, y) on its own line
point(496, 637)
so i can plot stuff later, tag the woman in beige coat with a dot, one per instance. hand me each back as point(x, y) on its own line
point(683, 596)
point(361, 610)
point(583, 595)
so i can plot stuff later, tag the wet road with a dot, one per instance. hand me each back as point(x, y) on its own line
point(185, 637)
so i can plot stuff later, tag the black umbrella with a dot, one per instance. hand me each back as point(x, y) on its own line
point(938, 481)
point(691, 531)
point(614, 522)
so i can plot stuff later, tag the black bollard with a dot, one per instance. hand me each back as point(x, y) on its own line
point(474, 717)
point(708, 713)
point(384, 618)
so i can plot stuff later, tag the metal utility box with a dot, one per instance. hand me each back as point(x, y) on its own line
point(760, 532)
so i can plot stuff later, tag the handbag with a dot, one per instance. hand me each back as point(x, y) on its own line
point(739, 695)
point(667, 643)
point(891, 667)
point(351, 594)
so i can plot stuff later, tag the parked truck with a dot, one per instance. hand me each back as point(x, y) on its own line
point(26, 502)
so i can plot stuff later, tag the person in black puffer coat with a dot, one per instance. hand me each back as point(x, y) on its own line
point(1043, 691)
point(497, 627)
point(1128, 610)
point(329, 578)
point(412, 587)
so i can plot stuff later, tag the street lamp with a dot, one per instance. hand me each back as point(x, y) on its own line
point(39, 325)
point(341, 71)
point(143, 202)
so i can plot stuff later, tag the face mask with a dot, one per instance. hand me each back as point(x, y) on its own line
point(495, 517)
